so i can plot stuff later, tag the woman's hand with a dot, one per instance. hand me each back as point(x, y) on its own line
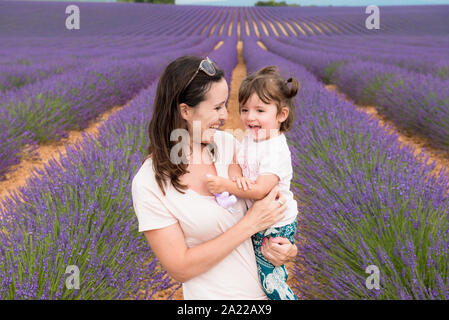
point(278, 250)
point(267, 211)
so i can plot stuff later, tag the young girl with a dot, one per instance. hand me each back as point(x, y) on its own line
point(266, 106)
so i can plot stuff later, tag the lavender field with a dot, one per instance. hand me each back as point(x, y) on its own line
point(364, 199)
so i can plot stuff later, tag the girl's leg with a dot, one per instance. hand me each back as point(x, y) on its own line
point(274, 279)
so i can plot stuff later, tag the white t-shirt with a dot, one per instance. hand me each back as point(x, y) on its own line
point(201, 220)
point(270, 156)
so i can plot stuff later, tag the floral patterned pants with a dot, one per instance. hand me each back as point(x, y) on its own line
point(274, 279)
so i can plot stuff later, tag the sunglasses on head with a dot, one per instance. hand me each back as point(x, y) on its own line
point(207, 66)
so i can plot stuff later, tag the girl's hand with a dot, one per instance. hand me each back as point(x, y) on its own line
point(278, 250)
point(243, 183)
point(267, 211)
point(215, 184)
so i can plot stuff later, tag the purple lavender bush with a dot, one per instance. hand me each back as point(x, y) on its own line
point(423, 54)
point(78, 212)
point(413, 101)
point(416, 102)
point(363, 201)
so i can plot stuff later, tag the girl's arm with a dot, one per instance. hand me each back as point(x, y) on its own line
point(183, 263)
point(263, 185)
point(234, 169)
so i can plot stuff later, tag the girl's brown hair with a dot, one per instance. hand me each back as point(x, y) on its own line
point(172, 91)
point(271, 87)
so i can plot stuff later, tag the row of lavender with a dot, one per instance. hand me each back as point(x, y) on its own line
point(38, 58)
point(47, 109)
point(309, 21)
point(364, 200)
point(79, 212)
point(42, 46)
point(54, 80)
point(413, 101)
point(46, 19)
point(415, 20)
point(22, 19)
point(422, 54)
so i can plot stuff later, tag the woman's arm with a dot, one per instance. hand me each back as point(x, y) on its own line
point(184, 263)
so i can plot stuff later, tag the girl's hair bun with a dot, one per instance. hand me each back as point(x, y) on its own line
point(268, 70)
point(294, 88)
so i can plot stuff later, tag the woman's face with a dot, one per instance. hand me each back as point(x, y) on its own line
point(210, 113)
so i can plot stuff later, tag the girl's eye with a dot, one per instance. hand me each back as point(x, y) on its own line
point(218, 108)
point(260, 110)
point(244, 110)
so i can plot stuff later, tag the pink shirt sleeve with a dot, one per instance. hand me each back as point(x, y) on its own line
point(150, 211)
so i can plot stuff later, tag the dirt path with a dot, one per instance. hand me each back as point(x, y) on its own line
point(238, 74)
point(406, 138)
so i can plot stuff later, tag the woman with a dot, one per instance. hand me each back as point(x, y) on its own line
point(199, 243)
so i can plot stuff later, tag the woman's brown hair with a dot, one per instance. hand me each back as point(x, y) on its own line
point(271, 87)
point(172, 91)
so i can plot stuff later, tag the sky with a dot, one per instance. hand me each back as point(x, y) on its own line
point(301, 2)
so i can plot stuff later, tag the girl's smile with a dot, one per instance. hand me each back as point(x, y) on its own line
point(260, 119)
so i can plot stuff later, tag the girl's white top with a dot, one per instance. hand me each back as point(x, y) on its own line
point(271, 156)
point(201, 219)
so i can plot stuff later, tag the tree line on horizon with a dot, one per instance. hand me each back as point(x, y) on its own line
point(150, 1)
point(272, 3)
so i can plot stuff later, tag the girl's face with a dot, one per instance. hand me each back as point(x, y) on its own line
point(209, 114)
point(261, 119)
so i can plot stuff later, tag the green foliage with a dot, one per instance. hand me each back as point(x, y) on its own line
point(330, 70)
point(24, 62)
point(272, 3)
point(443, 72)
point(369, 93)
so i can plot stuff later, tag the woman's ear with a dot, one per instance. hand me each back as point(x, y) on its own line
point(283, 115)
point(185, 111)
